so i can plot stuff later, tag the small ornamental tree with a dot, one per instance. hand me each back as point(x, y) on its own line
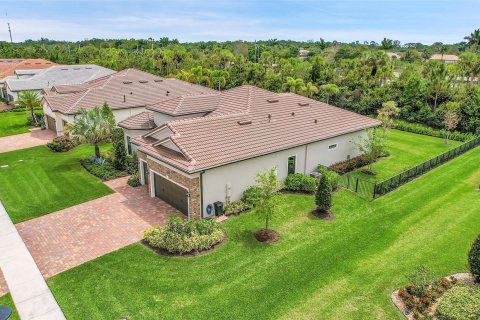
point(119, 160)
point(371, 145)
point(450, 118)
point(323, 197)
point(474, 259)
point(267, 203)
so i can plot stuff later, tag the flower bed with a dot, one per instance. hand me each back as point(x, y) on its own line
point(182, 237)
point(102, 168)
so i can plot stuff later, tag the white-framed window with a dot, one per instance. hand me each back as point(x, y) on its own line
point(129, 145)
point(333, 146)
point(291, 165)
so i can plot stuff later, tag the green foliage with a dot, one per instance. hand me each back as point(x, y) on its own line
point(236, 207)
point(29, 100)
point(323, 197)
point(474, 258)
point(61, 144)
point(267, 204)
point(351, 164)
point(422, 129)
point(134, 180)
point(182, 236)
point(332, 176)
point(119, 154)
point(132, 164)
point(102, 168)
point(460, 303)
point(93, 126)
point(300, 183)
point(372, 145)
point(251, 195)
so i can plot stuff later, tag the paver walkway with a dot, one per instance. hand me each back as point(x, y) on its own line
point(35, 137)
point(73, 236)
point(33, 299)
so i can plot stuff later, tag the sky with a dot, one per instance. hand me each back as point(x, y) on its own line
point(426, 21)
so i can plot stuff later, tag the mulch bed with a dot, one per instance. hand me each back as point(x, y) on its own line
point(267, 236)
point(164, 252)
point(465, 278)
point(323, 215)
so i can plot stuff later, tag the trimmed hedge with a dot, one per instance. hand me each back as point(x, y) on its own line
point(102, 168)
point(61, 144)
point(134, 181)
point(428, 131)
point(182, 236)
point(350, 165)
point(250, 195)
point(474, 258)
point(236, 207)
point(300, 183)
point(460, 303)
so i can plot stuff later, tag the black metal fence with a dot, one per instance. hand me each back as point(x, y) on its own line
point(370, 189)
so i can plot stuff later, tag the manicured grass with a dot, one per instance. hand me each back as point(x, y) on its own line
point(340, 269)
point(6, 300)
point(406, 150)
point(13, 123)
point(38, 181)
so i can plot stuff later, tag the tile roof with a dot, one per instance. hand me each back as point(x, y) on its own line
point(187, 104)
point(140, 121)
point(58, 75)
point(129, 88)
point(446, 57)
point(249, 122)
point(9, 66)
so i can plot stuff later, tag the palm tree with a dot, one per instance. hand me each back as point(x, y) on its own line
point(443, 50)
point(387, 44)
point(29, 100)
point(309, 90)
point(218, 78)
point(474, 39)
point(93, 126)
point(330, 90)
point(293, 85)
point(439, 80)
point(199, 75)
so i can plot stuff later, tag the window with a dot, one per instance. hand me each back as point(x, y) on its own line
point(292, 164)
point(129, 145)
point(332, 146)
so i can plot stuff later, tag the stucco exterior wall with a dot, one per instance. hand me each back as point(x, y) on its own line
point(227, 183)
point(122, 114)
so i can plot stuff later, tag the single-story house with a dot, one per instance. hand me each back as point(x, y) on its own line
point(447, 58)
point(127, 93)
point(21, 68)
point(54, 75)
point(223, 140)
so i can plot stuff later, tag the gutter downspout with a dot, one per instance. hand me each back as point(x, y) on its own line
point(305, 160)
point(201, 194)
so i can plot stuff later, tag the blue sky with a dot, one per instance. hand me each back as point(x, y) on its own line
point(408, 20)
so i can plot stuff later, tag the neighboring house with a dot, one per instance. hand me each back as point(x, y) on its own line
point(21, 68)
point(127, 92)
point(56, 75)
point(447, 58)
point(194, 162)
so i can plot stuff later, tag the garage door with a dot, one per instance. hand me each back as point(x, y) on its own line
point(171, 193)
point(51, 123)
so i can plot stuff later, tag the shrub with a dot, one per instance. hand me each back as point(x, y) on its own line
point(422, 129)
point(119, 154)
point(61, 144)
point(236, 207)
point(251, 195)
point(460, 303)
point(182, 236)
point(332, 176)
point(102, 168)
point(31, 121)
point(474, 258)
point(301, 183)
point(323, 197)
point(134, 181)
point(132, 164)
point(350, 165)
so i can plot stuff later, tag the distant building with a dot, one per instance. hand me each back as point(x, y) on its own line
point(303, 53)
point(447, 58)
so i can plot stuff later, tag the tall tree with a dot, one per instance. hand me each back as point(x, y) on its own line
point(309, 90)
point(29, 100)
point(474, 40)
point(387, 44)
point(438, 81)
point(329, 90)
point(93, 126)
point(293, 85)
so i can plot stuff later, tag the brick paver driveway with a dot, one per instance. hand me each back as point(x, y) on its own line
point(35, 137)
point(73, 236)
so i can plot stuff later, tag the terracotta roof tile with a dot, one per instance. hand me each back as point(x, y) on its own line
point(250, 122)
point(140, 121)
point(9, 66)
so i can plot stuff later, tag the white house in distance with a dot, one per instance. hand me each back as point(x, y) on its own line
point(37, 80)
point(223, 140)
point(447, 58)
point(127, 93)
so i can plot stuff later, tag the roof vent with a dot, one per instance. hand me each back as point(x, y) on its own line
point(244, 122)
point(64, 69)
point(315, 121)
point(88, 68)
point(124, 98)
point(269, 118)
point(158, 80)
point(293, 113)
point(143, 81)
point(272, 100)
point(127, 82)
point(303, 104)
point(168, 92)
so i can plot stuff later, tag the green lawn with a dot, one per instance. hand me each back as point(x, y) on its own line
point(6, 300)
point(406, 150)
point(13, 123)
point(38, 181)
point(340, 269)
